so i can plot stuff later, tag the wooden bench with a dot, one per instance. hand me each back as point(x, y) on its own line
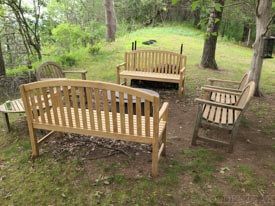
point(17, 107)
point(153, 65)
point(83, 107)
point(223, 116)
point(216, 93)
point(51, 70)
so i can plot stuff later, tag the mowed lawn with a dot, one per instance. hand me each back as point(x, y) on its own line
point(55, 179)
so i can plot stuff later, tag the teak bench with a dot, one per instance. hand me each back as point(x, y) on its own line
point(223, 116)
point(153, 65)
point(83, 107)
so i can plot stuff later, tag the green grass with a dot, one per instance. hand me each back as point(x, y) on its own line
point(48, 181)
point(246, 179)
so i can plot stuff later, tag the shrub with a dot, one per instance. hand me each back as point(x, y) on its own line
point(67, 60)
point(68, 36)
point(93, 50)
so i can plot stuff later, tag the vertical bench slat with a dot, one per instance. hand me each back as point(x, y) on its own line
point(98, 110)
point(68, 105)
point(75, 106)
point(106, 110)
point(47, 106)
point(147, 118)
point(34, 105)
point(53, 95)
point(90, 107)
point(122, 112)
point(130, 114)
point(61, 105)
point(114, 111)
point(138, 115)
point(152, 62)
point(83, 107)
point(40, 105)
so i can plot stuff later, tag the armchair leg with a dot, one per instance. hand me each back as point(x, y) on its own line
point(197, 126)
point(233, 138)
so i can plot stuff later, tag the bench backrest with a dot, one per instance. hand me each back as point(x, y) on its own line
point(244, 81)
point(49, 70)
point(91, 106)
point(246, 95)
point(155, 61)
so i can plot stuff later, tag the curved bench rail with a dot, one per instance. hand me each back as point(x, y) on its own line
point(49, 70)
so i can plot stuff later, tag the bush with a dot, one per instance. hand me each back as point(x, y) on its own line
point(67, 60)
point(68, 36)
point(93, 50)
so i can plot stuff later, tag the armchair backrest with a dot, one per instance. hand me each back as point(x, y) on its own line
point(49, 70)
point(244, 81)
point(246, 95)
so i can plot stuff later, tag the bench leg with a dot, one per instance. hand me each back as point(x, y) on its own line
point(34, 144)
point(197, 126)
point(181, 87)
point(164, 142)
point(6, 121)
point(155, 159)
point(118, 75)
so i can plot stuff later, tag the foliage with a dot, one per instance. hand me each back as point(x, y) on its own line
point(68, 36)
point(94, 49)
point(67, 60)
point(144, 11)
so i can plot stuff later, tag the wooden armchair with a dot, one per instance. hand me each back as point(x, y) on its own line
point(217, 93)
point(221, 115)
point(51, 70)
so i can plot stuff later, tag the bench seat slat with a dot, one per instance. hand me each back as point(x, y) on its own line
point(151, 76)
point(103, 122)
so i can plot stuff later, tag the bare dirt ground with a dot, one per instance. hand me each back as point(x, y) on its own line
point(245, 177)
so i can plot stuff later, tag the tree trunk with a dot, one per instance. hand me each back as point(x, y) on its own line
point(248, 37)
point(110, 20)
point(263, 21)
point(208, 56)
point(2, 63)
point(245, 32)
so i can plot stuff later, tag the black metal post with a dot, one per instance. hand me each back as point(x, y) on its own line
point(181, 49)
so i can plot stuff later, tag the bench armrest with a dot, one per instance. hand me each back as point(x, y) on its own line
point(203, 101)
point(163, 112)
point(222, 81)
point(82, 72)
point(120, 65)
point(210, 89)
point(182, 70)
point(222, 88)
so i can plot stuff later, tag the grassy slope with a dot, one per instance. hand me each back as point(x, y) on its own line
point(51, 182)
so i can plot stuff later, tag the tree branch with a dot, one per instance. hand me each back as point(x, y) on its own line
point(268, 24)
point(257, 8)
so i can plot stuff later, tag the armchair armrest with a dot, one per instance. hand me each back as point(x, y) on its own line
point(163, 112)
point(223, 88)
point(203, 101)
point(222, 81)
point(82, 72)
point(210, 89)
